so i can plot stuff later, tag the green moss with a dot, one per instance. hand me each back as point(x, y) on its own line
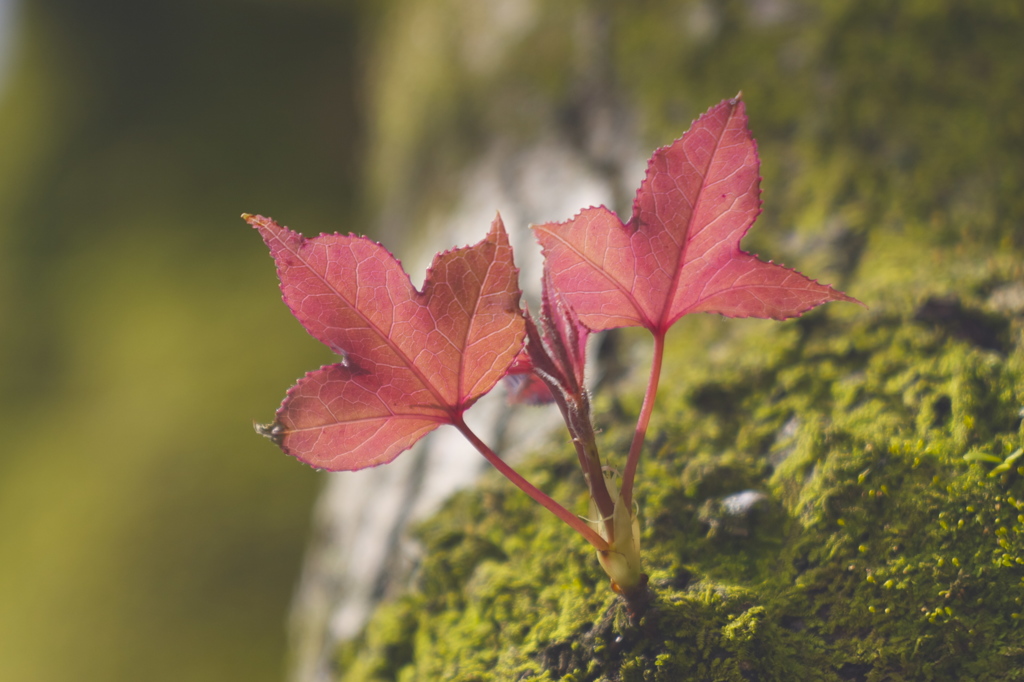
point(876, 552)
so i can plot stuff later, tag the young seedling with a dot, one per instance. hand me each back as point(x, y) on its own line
point(414, 360)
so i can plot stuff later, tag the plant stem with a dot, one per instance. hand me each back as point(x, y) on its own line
point(575, 522)
point(643, 420)
point(577, 418)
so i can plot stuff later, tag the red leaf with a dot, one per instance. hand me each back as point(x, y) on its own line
point(556, 348)
point(557, 341)
point(411, 360)
point(680, 251)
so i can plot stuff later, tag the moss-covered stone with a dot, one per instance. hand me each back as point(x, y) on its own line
point(876, 550)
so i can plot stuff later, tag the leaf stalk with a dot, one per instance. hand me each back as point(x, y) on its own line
point(646, 410)
point(542, 498)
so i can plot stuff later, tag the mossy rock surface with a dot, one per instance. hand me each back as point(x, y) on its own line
point(873, 549)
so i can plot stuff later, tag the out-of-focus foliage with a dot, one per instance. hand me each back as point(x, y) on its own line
point(145, 532)
point(867, 113)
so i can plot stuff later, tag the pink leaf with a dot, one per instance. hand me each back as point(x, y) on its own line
point(556, 348)
point(557, 341)
point(411, 360)
point(680, 251)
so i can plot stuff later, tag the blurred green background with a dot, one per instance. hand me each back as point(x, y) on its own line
point(146, 533)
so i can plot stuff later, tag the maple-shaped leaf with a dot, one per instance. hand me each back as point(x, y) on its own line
point(680, 251)
point(411, 360)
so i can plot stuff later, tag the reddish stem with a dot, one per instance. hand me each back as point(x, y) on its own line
point(575, 522)
point(643, 420)
point(582, 432)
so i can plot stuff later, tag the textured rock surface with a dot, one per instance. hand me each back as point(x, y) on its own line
point(876, 551)
point(892, 169)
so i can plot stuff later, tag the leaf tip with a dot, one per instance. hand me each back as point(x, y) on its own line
point(274, 432)
point(498, 229)
point(255, 220)
point(846, 298)
point(260, 223)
